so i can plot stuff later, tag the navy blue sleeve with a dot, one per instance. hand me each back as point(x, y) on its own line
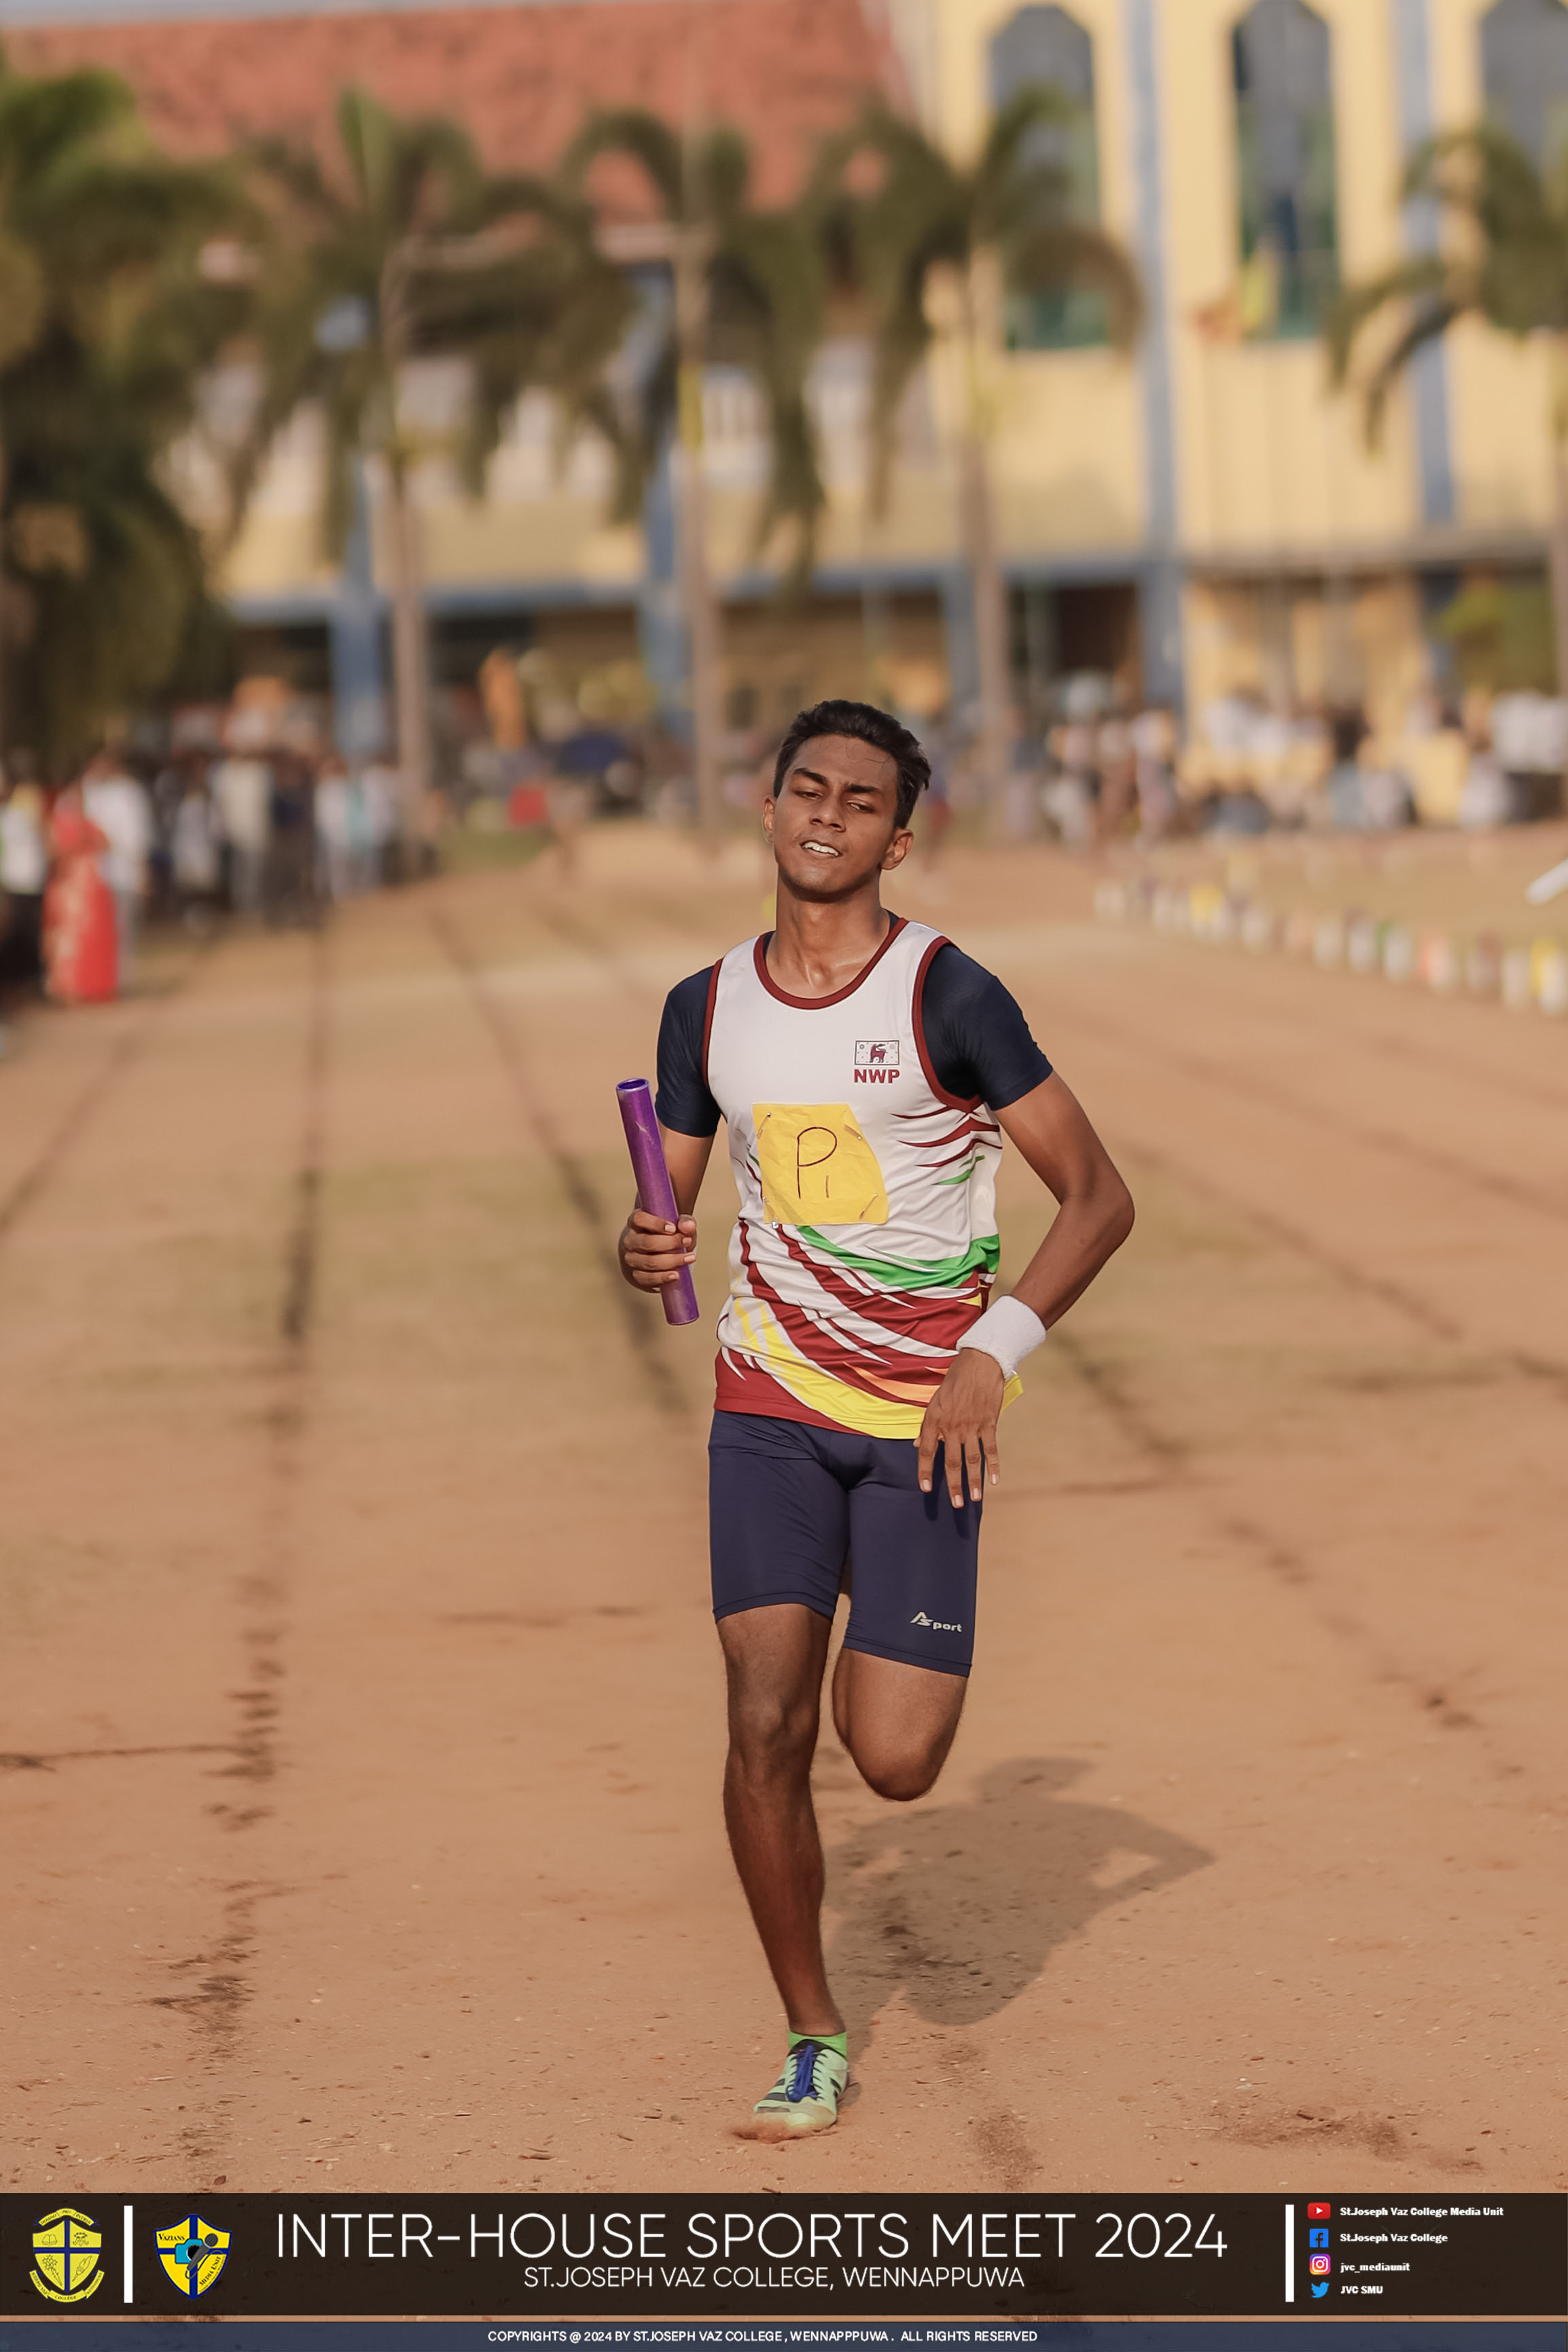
point(684, 1102)
point(975, 1032)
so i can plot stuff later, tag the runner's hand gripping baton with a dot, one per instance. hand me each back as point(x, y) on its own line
point(654, 1191)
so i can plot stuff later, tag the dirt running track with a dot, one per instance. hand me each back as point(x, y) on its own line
point(361, 1701)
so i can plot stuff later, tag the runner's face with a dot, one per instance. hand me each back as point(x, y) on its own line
point(834, 825)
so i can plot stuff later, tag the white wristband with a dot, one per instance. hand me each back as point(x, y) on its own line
point(1008, 1330)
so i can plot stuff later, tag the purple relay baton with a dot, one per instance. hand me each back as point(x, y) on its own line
point(654, 1191)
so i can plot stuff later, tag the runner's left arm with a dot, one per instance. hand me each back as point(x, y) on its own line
point(982, 1052)
point(1050, 1128)
point(1095, 1212)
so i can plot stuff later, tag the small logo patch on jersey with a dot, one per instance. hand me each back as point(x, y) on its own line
point(876, 1061)
point(935, 1624)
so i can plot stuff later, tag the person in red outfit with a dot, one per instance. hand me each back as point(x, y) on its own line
point(81, 958)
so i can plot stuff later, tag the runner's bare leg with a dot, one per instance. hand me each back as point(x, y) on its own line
point(897, 1721)
point(774, 1658)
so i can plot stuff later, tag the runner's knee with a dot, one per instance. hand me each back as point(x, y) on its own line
point(900, 1774)
point(772, 1732)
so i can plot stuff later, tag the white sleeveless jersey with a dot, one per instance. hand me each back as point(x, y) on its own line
point(867, 1245)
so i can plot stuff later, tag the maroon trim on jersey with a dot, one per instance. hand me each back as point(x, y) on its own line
point(956, 1102)
point(742, 1387)
point(817, 1003)
point(708, 1016)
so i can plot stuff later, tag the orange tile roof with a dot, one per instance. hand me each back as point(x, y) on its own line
point(522, 76)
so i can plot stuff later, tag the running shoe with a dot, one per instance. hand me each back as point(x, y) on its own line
point(805, 2096)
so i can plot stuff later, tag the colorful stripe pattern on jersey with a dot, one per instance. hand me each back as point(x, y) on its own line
point(865, 1245)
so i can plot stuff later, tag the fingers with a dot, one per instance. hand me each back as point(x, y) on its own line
point(965, 1453)
point(930, 1439)
point(970, 1451)
point(962, 1420)
point(642, 1221)
point(653, 1251)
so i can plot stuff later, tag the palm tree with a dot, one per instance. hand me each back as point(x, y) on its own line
point(1507, 263)
point(975, 232)
point(749, 291)
point(107, 325)
point(107, 574)
point(401, 247)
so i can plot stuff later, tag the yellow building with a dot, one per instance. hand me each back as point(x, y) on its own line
point(1205, 519)
point(1251, 156)
point(1202, 519)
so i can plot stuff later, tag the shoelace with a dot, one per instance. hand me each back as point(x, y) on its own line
point(802, 2070)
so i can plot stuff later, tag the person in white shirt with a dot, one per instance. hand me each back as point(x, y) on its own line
point(336, 828)
point(379, 789)
point(119, 806)
point(24, 870)
point(242, 793)
point(194, 847)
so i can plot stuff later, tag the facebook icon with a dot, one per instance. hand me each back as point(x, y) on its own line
point(1317, 2237)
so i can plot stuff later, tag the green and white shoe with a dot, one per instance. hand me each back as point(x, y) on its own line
point(805, 2096)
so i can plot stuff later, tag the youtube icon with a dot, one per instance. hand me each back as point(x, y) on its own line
point(1319, 2212)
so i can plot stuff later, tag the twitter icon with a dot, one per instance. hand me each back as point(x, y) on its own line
point(1319, 2286)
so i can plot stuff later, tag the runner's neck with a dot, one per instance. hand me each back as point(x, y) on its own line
point(820, 951)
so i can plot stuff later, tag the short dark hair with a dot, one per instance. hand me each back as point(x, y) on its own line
point(866, 724)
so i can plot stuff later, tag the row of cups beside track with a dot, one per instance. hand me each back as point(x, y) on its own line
point(1524, 977)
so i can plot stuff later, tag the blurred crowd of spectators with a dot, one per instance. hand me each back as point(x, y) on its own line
point(1101, 772)
point(260, 829)
point(245, 814)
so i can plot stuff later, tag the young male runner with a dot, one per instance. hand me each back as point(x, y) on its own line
point(866, 1071)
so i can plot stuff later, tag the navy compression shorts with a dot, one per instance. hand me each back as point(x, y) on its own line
point(797, 1513)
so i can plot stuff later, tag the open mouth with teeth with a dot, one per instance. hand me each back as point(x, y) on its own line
point(821, 849)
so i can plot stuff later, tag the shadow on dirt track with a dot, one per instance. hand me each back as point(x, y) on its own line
point(960, 1905)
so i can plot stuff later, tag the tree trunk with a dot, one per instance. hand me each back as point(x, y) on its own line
point(410, 648)
point(1559, 569)
point(990, 592)
point(691, 496)
point(4, 615)
point(978, 524)
point(410, 662)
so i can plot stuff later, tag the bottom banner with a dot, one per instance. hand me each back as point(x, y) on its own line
point(585, 2260)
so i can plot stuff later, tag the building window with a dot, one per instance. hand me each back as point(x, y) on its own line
point(1524, 72)
point(1047, 45)
point(1285, 168)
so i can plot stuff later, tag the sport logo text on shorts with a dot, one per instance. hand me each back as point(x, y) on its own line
point(876, 1061)
point(934, 1624)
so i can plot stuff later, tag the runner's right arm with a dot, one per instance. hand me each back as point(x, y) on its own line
point(651, 1251)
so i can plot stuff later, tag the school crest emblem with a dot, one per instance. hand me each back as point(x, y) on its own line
point(65, 2247)
point(192, 2253)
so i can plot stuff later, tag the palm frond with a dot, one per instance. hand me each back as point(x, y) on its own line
point(1013, 130)
point(1431, 321)
point(645, 138)
point(1421, 280)
point(1505, 258)
point(718, 173)
point(1067, 256)
point(769, 298)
